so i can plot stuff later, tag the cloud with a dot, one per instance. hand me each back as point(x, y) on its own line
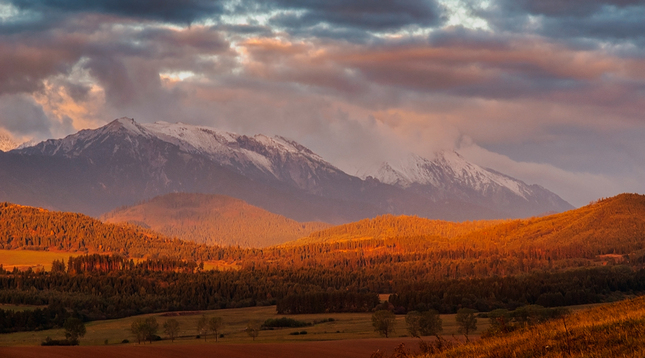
point(557, 91)
point(566, 8)
point(379, 15)
point(21, 115)
point(571, 20)
point(176, 11)
point(577, 187)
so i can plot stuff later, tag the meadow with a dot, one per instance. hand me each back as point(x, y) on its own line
point(345, 326)
point(24, 259)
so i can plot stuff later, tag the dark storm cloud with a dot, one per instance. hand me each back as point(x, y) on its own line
point(566, 8)
point(26, 60)
point(570, 19)
point(23, 64)
point(464, 63)
point(177, 11)
point(367, 15)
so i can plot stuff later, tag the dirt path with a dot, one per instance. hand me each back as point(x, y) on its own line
point(359, 348)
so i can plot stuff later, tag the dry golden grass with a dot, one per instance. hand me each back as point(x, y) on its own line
point(616, 330)
point(24, 259)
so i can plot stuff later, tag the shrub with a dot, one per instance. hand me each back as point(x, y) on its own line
point(284, 322)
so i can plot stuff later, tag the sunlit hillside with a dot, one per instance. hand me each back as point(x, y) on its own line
point(29, 228)
point(390, 226)
point(213, 220)
point(613, 226)
point(616, 330)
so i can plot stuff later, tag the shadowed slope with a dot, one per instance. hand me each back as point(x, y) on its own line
point(212, 219)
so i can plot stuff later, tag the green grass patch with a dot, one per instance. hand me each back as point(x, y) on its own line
point(343, 326)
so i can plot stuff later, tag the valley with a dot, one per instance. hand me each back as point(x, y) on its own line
point(110, 274)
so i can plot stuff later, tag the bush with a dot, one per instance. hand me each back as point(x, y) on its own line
point(324, 320)
point(125, 341)
point(58, 342)
point(284, 322)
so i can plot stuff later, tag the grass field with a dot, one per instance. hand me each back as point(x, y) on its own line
point(344, 326)
point(24, 259)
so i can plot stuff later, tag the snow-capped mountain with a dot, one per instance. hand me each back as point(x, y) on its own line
point(124, 162)
point(6, 143)
point(449, 175)
point(258, 157)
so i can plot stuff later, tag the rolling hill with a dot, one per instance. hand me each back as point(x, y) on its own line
point(213, 220)
point(390, 226)
point(29, 228)
point(609, 226)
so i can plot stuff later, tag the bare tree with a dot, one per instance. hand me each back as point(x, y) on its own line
point(202, 326)
point(215, 324)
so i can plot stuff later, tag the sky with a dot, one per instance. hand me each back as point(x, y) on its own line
point(551, 92)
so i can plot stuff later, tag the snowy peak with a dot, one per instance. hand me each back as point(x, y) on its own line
point(258, 157)
point(446, 172)
point(266, 154)
point(125, 124)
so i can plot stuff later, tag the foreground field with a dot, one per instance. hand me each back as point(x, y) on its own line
point(361, 348)
point(345, 326)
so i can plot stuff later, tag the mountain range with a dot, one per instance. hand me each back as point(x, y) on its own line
point(125, 162)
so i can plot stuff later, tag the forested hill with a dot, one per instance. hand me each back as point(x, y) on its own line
point(24, 227)
point(390, 226)
point(214, 220)
point(609, 226)
point(614, 225)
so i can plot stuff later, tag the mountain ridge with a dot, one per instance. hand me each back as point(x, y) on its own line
point(125, 162)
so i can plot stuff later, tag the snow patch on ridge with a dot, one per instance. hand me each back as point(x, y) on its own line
point(447, 167)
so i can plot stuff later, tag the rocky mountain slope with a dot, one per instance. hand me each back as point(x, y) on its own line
point(449, 176)
point(123, 162)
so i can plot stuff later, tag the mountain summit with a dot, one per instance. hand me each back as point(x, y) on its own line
point(449, 176)
point(124, 162)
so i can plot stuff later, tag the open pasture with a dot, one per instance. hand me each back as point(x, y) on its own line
point(344, 326)
point(24, 259)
